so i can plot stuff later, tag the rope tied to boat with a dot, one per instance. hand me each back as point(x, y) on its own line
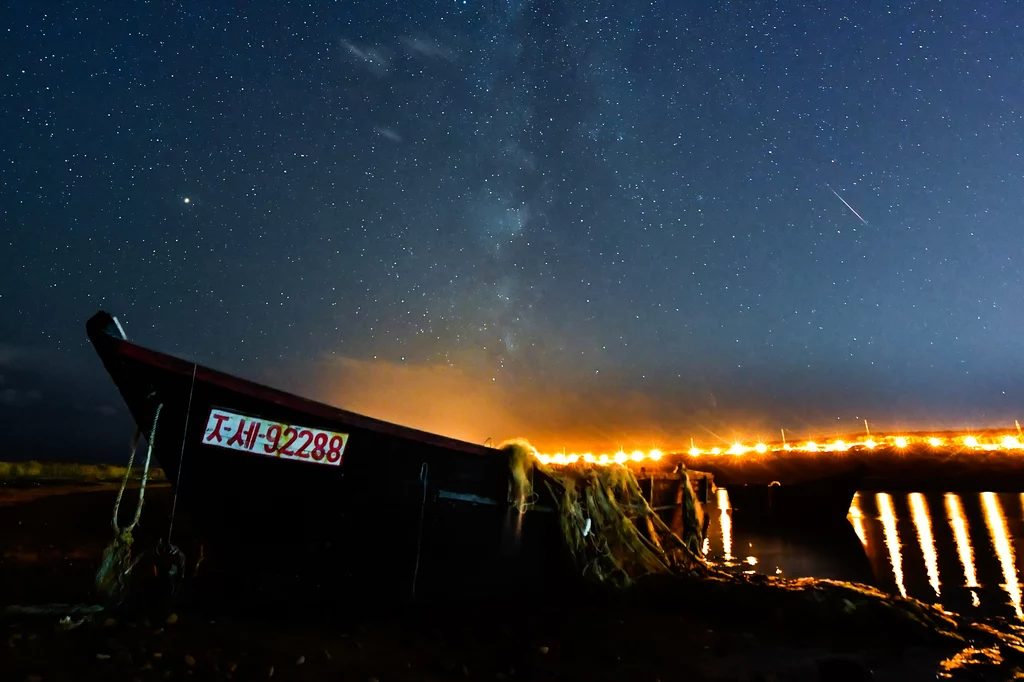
point(117, 561)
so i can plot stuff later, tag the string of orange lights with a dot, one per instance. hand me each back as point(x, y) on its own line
point(1005, 443)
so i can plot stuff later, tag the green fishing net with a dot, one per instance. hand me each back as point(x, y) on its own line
point(609, 530)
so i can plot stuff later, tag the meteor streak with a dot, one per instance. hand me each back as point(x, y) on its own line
point(849, 207)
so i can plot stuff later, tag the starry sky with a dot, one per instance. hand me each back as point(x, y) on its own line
point(593, 224)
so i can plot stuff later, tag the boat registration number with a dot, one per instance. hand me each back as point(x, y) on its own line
point(248, 434)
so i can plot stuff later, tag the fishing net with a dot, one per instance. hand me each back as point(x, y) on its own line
point(609, 530)
point(614, 538)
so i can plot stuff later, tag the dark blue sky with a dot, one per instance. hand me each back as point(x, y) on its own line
point(587, 222)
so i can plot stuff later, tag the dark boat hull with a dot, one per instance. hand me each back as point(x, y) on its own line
point(405, 508)
point(405, 511)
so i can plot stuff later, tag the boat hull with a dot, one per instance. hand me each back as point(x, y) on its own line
point(409, 509)
point(375, 504)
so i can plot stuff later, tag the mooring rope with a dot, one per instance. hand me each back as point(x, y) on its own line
point(145, 475)
point(181, 457)
point(52, 609)
point(117, 557)
point(419, 533)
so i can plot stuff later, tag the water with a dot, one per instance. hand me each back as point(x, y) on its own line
point(964, 552)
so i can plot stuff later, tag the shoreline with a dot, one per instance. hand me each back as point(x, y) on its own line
point(714, 631)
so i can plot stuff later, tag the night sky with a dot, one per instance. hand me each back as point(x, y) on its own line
point(592, 224)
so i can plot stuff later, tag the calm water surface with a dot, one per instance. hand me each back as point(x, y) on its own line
point(961, 551)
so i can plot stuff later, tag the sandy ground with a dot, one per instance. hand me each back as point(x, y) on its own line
point(52, 545)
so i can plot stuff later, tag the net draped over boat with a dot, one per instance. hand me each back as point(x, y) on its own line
point(609, 530)
point(614, 538)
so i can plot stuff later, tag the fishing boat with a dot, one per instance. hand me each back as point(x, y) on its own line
point(268, 477)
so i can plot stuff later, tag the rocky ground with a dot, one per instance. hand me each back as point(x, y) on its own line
point(52, 545)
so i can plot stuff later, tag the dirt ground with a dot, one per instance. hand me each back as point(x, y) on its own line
point(52, 545)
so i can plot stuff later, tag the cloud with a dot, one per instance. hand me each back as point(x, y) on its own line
point(376, 60)
point(10, 355)
point(13, 397)
point(426, 47)
point(388, 133)
point(45, 389)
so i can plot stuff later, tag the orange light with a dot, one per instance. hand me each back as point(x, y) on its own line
point(1011, 442)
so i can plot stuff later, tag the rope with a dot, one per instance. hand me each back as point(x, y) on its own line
point(419, 534)
point(145, 475)
point(181, 456)
point(52, 609)
point(117, 557)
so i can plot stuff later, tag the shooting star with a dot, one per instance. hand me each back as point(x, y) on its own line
point(861, 218)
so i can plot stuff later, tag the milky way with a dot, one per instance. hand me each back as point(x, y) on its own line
point(607, 223)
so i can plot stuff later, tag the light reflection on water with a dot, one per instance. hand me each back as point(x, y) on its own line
point(857, 519)
point(967, 557)
point(996, 521)
point(923, 523)
point(892, 538)
point(963, 544)
point(725, 521)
